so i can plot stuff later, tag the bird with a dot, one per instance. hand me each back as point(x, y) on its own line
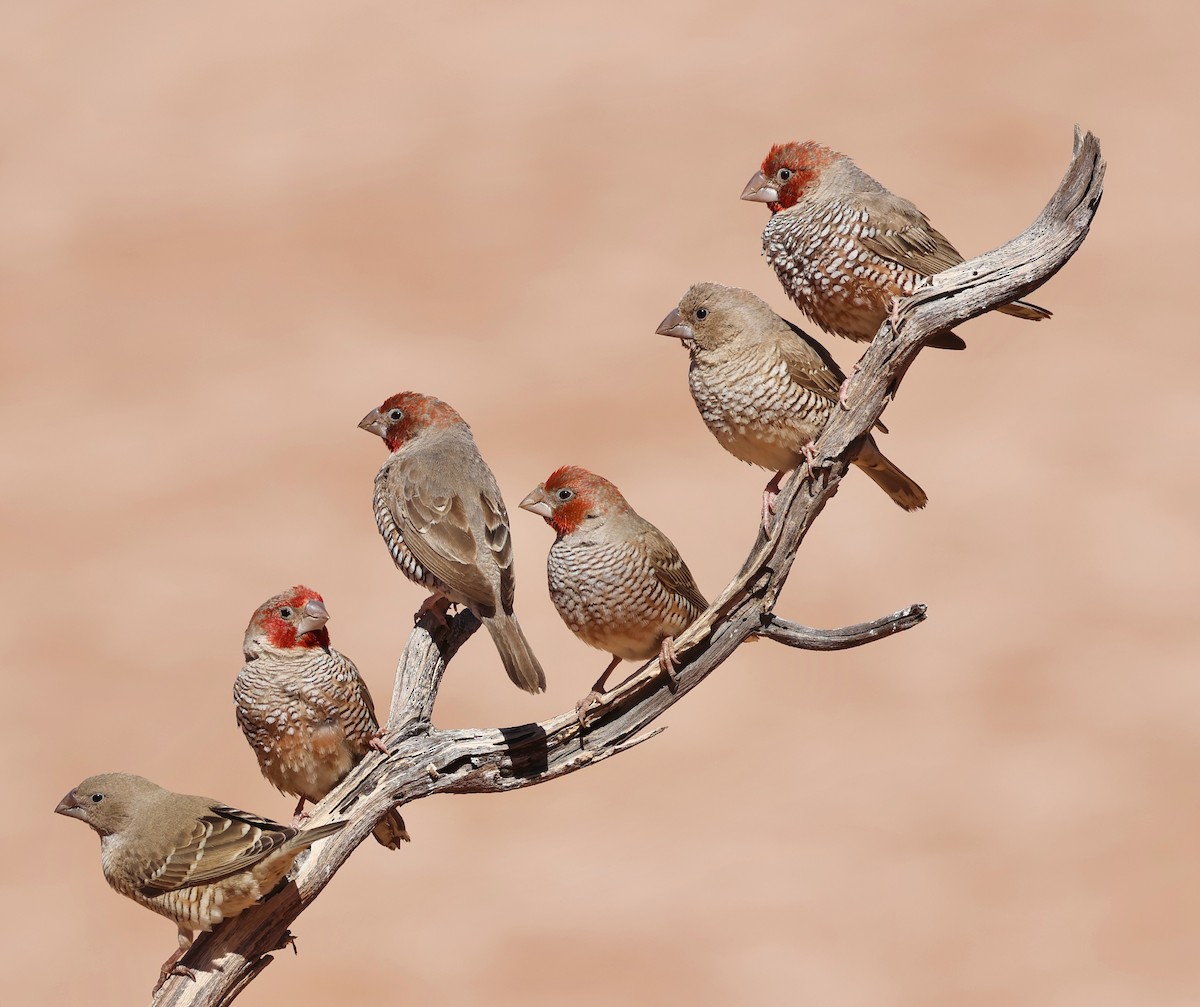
point(844, 247)
point(439, 510)
point(191, 859)
point(303, 706)
point(618, 582)
point(765, 388)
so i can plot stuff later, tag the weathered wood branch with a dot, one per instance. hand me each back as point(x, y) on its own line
point(423, 760)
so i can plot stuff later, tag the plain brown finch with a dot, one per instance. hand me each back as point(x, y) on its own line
point(192, 859)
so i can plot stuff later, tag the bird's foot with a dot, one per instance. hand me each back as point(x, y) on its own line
point(844, 390)
point(376, 742)
point(668, 663)
point(596, 696)
point(768, 508)
point(770, 493)
point(300, 816)
point(584, 706)
point(436, 604)
point(171, 967)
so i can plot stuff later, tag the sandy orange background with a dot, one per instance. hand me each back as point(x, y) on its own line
point(228, 230)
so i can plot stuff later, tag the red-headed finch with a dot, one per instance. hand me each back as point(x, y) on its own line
point(304, 708)
point(441, 515)
point(765, 388)
point(844, 247)
point(191, 859)
point(618, 582)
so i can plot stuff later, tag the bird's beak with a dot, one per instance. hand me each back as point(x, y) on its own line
point(373, 423)
point(758, 191)
point(70, 807)
point(314, 617)
point(535, 502)
point(674, 325)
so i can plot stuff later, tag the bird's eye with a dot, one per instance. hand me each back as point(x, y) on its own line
point(702, 313)
point(564, 495)
point(285, 612)
point(97, 798)
point(395, 415)
point(785, 174)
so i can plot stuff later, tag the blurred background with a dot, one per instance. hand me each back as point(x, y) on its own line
point(230, 231)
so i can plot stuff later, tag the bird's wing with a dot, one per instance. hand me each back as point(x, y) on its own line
point(811, 366)
point(904, 235)
point(221, 843)
point(435, 521)
point(670, 569)
point(498, 541)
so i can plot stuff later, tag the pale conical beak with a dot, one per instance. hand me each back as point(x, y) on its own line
point(373, 423)
point(759, 191)
point(675, 325)
point(69, 806)
point(535, 503)
point(314, 616)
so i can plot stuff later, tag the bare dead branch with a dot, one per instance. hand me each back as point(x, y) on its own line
point(423, 760)
point(804, 637)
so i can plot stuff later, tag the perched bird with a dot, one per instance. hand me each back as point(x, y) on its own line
point(191, 859)
point(440, 512)
point(765, 388)
point(844, 247)
point(303, 706)
point(618, 582)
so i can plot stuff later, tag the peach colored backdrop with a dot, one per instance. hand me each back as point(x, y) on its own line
point(230, 229)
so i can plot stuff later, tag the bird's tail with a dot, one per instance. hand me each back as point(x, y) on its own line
point(391, 831)
point(306, 837)
point(888, 478)
point(522, 667)
point(1023, 309)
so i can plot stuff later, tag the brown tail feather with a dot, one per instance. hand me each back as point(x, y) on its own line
point(890, 479)
point(522, 667)
point(1023, 309)
point(391, 831)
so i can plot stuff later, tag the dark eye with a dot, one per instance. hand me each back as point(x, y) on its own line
point(395, 415)
point(702, 313)
point(564, 495)
point(285, 612)
point(97, 798)
point(785, 174)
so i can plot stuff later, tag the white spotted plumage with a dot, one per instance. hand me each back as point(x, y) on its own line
point(302, 706)
point(844, 247)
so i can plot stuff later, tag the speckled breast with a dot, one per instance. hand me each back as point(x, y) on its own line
point(830, 275)
point(755, 410)
point(610, 598)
